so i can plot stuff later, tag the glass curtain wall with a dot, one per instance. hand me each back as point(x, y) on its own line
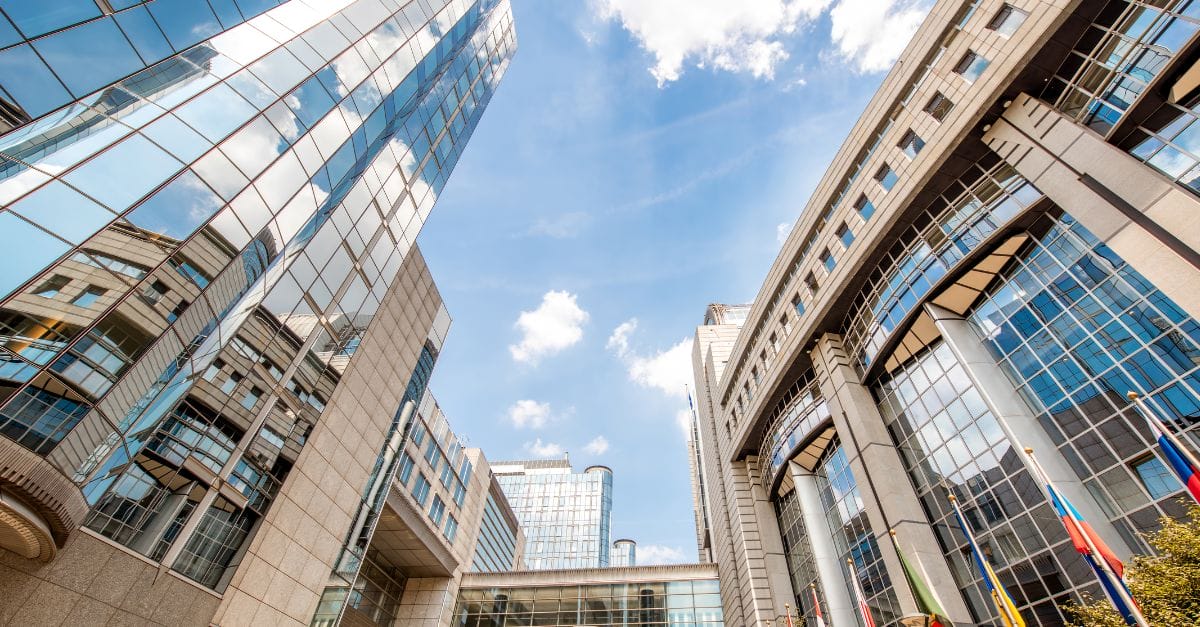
point(696, 603)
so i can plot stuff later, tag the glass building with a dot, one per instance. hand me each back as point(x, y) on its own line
point(205, 206)
point(650, 596)
point(565, 515)
point(1021, 254)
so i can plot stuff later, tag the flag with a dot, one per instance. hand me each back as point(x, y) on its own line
point(1182, 462)
point(1003, 602)
point(1109, 570)
point(860, 599)
point(927, 604)
point(817, 606)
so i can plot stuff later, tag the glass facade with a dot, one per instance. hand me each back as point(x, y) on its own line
point(174, 326)
point(852, 534)
point(565, 516)
point(695, 603)
point(797, 550)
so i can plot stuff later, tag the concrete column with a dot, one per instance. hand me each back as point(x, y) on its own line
point(1145, 218)
point(172, 504)
point(1018, 422)
point(888, 495)
point(839, 607)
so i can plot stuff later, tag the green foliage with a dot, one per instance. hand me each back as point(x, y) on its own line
point(1166, 586)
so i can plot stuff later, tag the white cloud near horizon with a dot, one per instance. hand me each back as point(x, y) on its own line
point(648, 554)
point(747, 36)
point(529, 413)
point(598, 446)
point(538, 448)
point(782, 230)
point(555, 325)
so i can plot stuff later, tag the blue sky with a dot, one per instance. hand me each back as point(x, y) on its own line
point(639, 161)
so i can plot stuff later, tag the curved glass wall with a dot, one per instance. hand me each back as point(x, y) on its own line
point(796, 416)
point(797, 551)
point(1075, 328)
point(852, 534)
point(192, 316)
point(986, 196)
point(951, 443)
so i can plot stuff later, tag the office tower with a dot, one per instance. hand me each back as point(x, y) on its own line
point(214, 325)
point(624, 553)
point(677, 594)
point(1004, 246)
point(565, 515)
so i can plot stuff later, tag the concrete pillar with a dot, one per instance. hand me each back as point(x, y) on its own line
point(838, 606)
point(172, 504)
point(1145, 218)
point(888, 495)
point(1018, 422)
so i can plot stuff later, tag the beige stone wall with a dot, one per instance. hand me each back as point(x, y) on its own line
point(289, 560)
point(95, 582)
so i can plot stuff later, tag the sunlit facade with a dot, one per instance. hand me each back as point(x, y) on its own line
point(566, 516)
point(1004, 247)
point(682, 594)
point(209, 212)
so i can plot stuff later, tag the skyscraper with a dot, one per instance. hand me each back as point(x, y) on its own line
point(215, 327)
point(1004, 246)
point(565, 515)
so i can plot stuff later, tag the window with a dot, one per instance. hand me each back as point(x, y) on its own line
point(786, 323)
point(754, 375)
point(270, 437)
point(431, 454)
point(418, 432)
point(52, 286)
point(438, 510)
point(250, 399)
point(827, 260)
point(798, 305)
point(460, 494)
point(89, 296)
point(213, 369)
point(406, 466)
point(189, 272)
point(971, 66)
point(845, 235)
point(811, 282)
point(886, 177)
point(938, 106)
point(420, 490)
point(231, 383)
point(864, 207)
point(911, 145)
point(154, 292)
point(1007, 20)
point(177, 311)
point(101, 260)
point(1156, 477)
point(451, 528)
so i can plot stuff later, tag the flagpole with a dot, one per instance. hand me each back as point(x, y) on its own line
point(817, 606)
point(860, 597)
point(787, 611)
point(1097, 558)
point(1139, 404)
point(966, 530)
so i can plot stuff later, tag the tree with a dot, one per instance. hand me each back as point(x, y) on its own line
point(1166, 586)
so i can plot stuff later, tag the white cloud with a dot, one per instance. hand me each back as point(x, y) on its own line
point(528, 413)
point(683, 420)
point(555, 325)
point(618, 342)
point(648, 554)
point(668, 371)
point(598, 446)
point(561, 226)
point(748, 35)
point(872, 33)
point(537, 448)
point(740, 36)
point(782, 230)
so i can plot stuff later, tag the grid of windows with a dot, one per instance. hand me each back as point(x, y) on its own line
point(565, 515)
point(1117, 57)
point(1173, 148)
point(801, 566)
point(1076, 328)
point(852, 534)
point(696, 603)
point(985, 196)
point(496, 550)
point(952, 443)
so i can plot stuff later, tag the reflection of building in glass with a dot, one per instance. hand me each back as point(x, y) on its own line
point(565, 515)
point(1019, 255)
point(204, 216)
point(683, 594)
